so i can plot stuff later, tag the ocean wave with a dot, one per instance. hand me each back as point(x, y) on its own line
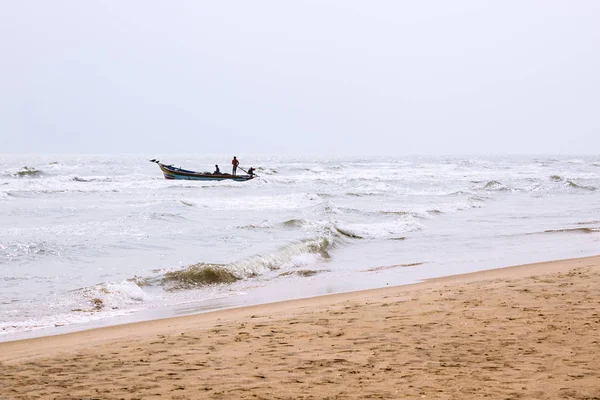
point(348, 234)
point(97, 179)
point(294, 255)
point(26, 172)
point(266, 171)
point(546, 160)
point(294, 223)
point(574, 230)
point(573, 185)
point(350, 210)
point(556, 178)
point(423, 212)
point(495, 186)
point(457, 193)
point(262, 225)
point(37, 192)
point(334, 229)
point(264, 202)
point(198, 275)
point(110, 296)
point(33, 193)
point(331, 209)
point(384, 230)
point(165, 216)
point(363, 194)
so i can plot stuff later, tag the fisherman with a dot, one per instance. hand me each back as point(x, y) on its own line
point(235, 164)
point(217, 170)
point(251, 171)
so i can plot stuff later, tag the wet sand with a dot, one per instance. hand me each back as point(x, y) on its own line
point(530, 332)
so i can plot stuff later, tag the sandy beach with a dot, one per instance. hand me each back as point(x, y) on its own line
point(530, 332)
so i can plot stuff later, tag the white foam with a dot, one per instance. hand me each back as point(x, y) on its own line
point(383, 229)
point(115, 295)
point(302, 260)
point(256, 203)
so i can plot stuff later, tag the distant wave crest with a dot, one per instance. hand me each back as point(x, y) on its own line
point(495, 185)
point(574, 230)
point(556, 178)
point(575, 185)
point(28, 172)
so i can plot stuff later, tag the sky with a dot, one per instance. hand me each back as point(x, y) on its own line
point(300, 77)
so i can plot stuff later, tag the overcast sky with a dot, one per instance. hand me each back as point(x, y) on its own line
point(300, 77)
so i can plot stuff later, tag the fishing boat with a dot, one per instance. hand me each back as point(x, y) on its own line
point(171, 172)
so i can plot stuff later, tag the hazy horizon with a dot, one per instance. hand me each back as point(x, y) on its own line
point(314, 78)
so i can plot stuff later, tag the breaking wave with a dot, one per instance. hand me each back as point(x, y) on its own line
point(110, 296)
point(203, 274)
point(294, 223)
point(349, 234)
point(198, 275)
point(28, 172)
point(334, 231)
point(383, 230)
point(495, 186)
point(574, 185)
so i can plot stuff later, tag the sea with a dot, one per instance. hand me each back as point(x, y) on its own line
point(96, 240)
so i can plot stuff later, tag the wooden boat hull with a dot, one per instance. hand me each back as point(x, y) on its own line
point(171, 172)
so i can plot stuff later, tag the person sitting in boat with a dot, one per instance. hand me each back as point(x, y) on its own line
point(217, 170)
point(251, 171)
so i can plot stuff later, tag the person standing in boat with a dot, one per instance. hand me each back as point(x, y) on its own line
point(235, 164)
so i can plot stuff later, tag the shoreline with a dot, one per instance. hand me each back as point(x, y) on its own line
point(128, 321)
point(498, 333)
point(211, 316)
point(258, 298)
